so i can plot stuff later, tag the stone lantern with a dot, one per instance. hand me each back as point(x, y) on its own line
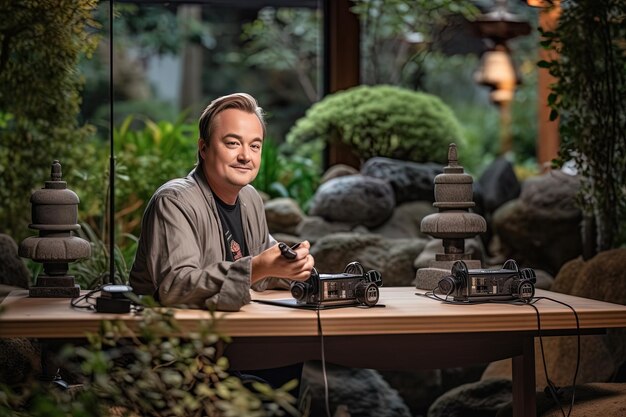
point(453, 223)
point(55, 216)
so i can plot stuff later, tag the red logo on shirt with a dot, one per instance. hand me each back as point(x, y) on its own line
point(235, 250)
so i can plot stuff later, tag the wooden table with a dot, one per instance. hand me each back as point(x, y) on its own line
point(411, 332)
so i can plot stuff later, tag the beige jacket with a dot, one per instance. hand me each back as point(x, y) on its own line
point(181, 252)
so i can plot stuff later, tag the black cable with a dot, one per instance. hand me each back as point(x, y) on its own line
point(434, 296)
point(577, 350)
point(82, 301)
point(321, 333)
point(74, 303)
point(551, 388)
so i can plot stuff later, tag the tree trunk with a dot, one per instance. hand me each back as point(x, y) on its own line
point(191, 74)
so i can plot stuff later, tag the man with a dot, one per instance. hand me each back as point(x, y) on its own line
point(204, 240)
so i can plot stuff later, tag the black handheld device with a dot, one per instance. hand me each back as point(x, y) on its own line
point(288, 252)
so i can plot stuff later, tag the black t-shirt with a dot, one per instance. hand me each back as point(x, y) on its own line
point(234, 238)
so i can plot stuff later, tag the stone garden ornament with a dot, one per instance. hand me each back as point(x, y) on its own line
point(55, 216)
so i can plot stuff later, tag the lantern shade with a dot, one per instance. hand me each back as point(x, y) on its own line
point(496, 70)
point(500, 25)
point(540, 3)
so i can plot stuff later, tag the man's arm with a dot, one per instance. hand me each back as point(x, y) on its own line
point(271, 270)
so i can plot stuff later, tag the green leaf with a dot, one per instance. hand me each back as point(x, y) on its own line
point(546, 43)
point(552, 98)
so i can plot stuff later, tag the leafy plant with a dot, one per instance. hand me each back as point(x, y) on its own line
point(153, 372)
point(397, 36)
point(148, 154)
point(34, 399)
point(286, 39)
point(93, 271)
point(590, 98)
point(284, 174)
point(158, 30)
point(149, 372)
point(382, 121)
point(39, 88)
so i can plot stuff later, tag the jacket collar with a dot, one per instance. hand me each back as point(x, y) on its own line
point(198, 176)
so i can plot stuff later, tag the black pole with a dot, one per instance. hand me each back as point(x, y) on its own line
point(326, 67)
point(112, 156)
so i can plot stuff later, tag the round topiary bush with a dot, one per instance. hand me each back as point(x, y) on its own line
point(382, 121)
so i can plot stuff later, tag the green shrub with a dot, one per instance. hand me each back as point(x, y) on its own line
point(150, 371)
point(382, 121)
point(39, 98)
point(147, 154)
point(154, 372)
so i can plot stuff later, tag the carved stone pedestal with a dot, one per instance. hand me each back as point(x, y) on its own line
point(454, 223)
point(55, 215)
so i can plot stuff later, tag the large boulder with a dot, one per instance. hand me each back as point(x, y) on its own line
point(287, 238)
point(20, 357)
point(560, 353)
point(338, 170)
point(393, 258)
point(544, 279)
point(594, 399)
point(283, 215)
point(360, 392)
point(354, 199)
point(541, 228)
point(602, 356)
point(313, 228)
point(600, 278)
point(411, 181)
point(21, 360)
point(482, 398)
point(420, 388)
point(405, 221)
point(498, 184)
point(13, 271)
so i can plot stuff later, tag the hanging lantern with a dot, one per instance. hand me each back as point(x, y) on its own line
point(497, 69)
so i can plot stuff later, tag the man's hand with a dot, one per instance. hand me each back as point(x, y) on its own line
point(271, 263)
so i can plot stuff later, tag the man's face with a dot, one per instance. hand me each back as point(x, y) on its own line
point(233, 155)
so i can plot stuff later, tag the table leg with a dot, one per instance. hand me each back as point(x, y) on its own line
point(524, 397)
